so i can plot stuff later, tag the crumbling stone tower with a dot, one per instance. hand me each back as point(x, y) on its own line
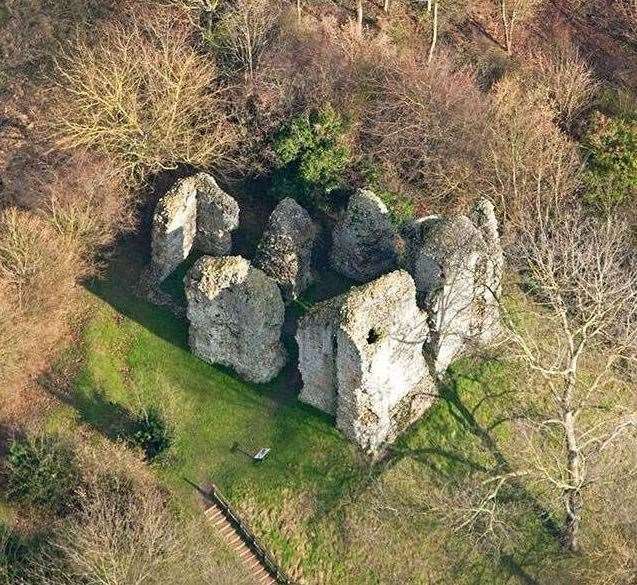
point(360, 356)
point(236, 314)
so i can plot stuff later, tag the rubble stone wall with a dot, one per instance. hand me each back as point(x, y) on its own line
point(363, 352)
point(195, 213)
point(236, 315)
point(371, 357)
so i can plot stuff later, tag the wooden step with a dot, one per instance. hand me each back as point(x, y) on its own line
point(234, 537)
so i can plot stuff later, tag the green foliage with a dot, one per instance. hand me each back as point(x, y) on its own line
point(401, 208)
point(151, 433)
point(312, 155)
point(611, 171)
point(41, 470)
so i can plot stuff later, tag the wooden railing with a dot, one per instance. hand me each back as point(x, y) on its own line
point(249, 538)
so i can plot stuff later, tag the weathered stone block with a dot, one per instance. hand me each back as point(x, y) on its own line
point(286, 248)
point(217, 217)
point(174, 228)
point(457, 266)
point(236, 314)
point(195, 213)
point(360, 356)
point(490, 285)
point(364, 242)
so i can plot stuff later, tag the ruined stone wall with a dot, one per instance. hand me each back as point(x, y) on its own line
point(361, 359)
point(195, 213)
point(457, 265)
point(285, 252)
point(371, 357)
point(235, 313)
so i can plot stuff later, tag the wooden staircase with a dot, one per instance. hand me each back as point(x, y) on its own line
point(241, 539)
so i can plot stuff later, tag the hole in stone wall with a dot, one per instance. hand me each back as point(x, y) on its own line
point(373, 336)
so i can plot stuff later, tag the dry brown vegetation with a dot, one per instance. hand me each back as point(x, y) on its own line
point(127, 534)
point(527, 159)
point(423, 122)
point(45, 251)
point(142, 95)
point(121, 529)
point(38, 272)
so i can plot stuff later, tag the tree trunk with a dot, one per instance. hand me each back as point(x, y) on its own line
point(573, 505)
point(507, 23)
point(298, 9)
point(434, 32)
point(359, 18)
point(386, 6)
point(572, 495)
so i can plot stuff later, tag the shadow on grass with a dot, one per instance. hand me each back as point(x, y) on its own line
point(453, 465)
point(94, 408)
point(17, 553)
point(117, 286)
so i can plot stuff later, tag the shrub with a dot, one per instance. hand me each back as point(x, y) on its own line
point(30, 30)
point(86, 202)
point(527, 161)
point(312, 155)
point(568, 84)
point(142, 96)
point(41, 470)
point(130, 536)
point(611, 170)
point(37, 266)
point(38, 272)
point(242, 32)
point(401, 206)
point(428, 124)
point(80, 208)
point(151, 433)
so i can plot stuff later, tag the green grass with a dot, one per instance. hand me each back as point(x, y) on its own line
point(142, 360)
point(315, 493)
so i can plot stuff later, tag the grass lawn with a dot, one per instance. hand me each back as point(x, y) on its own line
point(327, 513)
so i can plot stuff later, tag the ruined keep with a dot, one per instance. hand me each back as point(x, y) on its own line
point(286, 250)
point(236, 314)
point(371, 357)
point(457, 265)
point(361, 359)
point(364, 241)
point(195, 213)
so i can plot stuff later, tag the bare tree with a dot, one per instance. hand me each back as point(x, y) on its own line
point(526, 157)
point(434, 31)
point(512, 14)
point(359, 17)
point(567, 82)
point(141, 96)
point(126, 535)
point(243, 32)
point(583, 275)
point(424, 121)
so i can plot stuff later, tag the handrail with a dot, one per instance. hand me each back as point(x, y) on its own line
point(249, 538)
